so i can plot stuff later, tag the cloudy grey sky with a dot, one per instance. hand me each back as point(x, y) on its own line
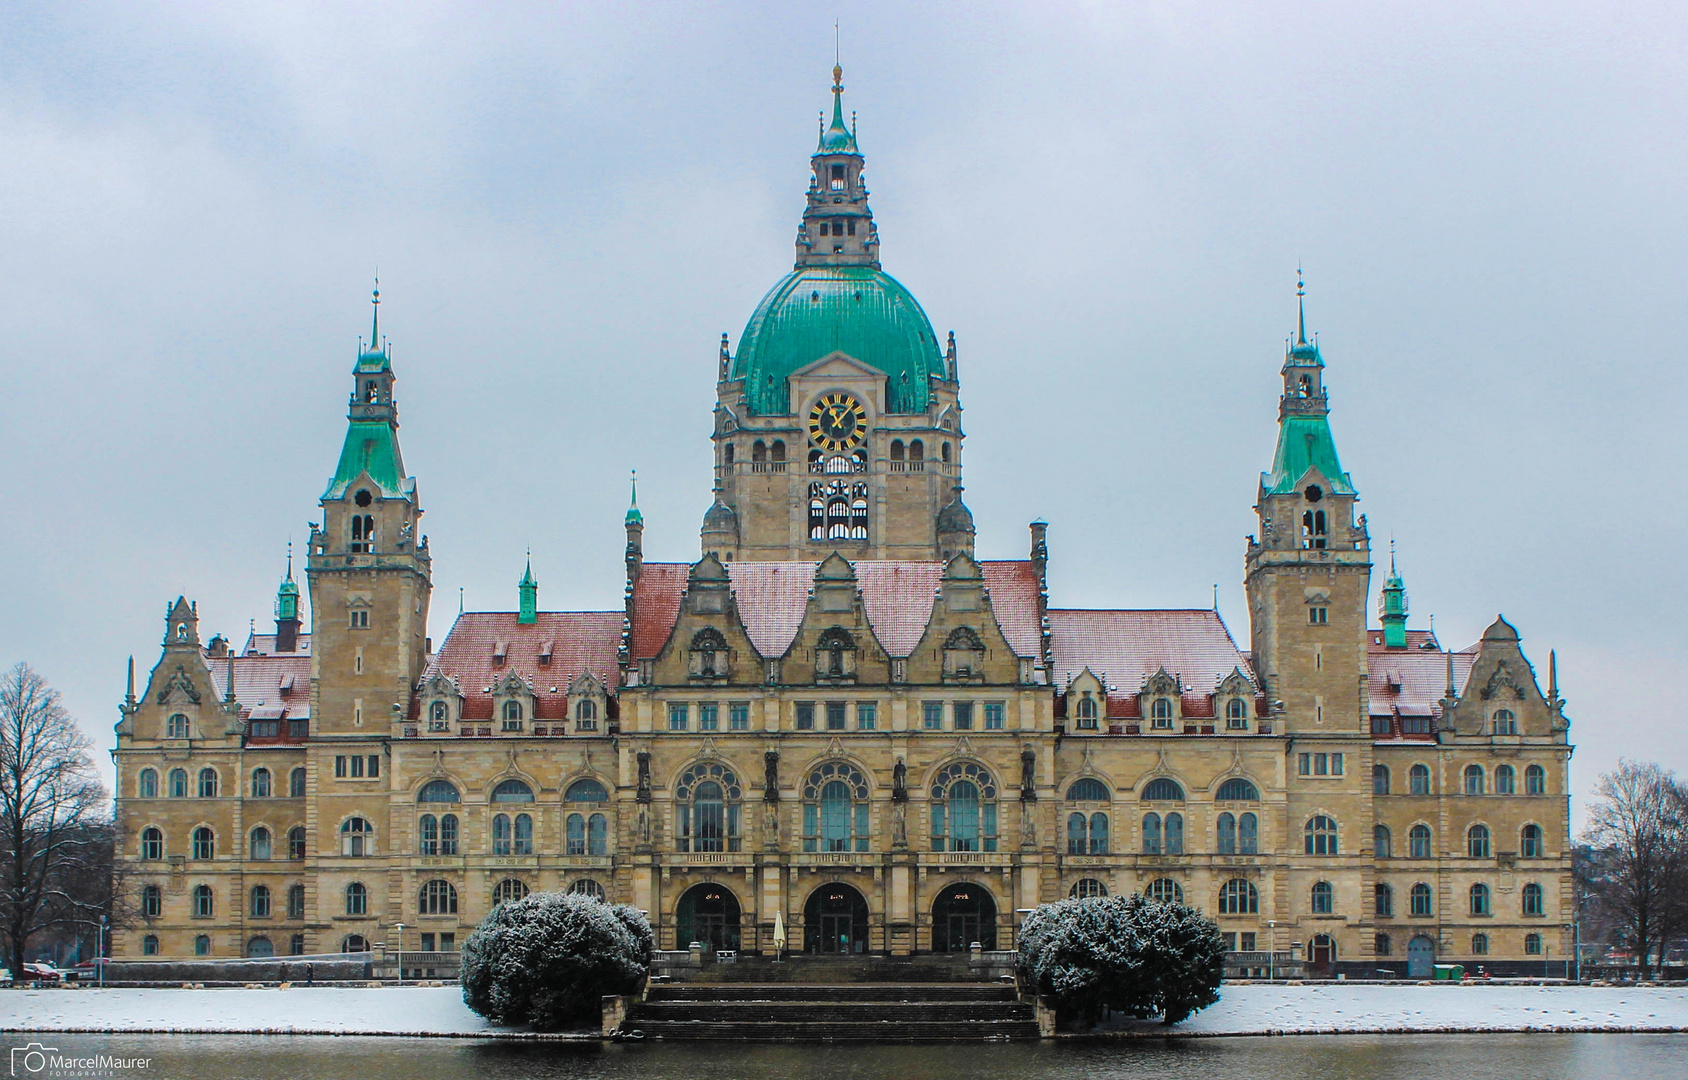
point(1106, 202)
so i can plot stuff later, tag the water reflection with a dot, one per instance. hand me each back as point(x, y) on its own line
point(1314, 1057)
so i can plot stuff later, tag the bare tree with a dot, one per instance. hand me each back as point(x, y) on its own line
point(53, 810)
point(1639, 830)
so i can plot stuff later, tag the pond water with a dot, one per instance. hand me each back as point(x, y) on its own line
point(1306, 1057)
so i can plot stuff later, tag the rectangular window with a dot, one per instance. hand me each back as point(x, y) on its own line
point(1318, 616)
point(340, 766)
point(1248, 940)
point(1304, 765)
point(851, 225)
point(738, 716)
point(867, 716)
point(993, 715)
point(356, 767)
point(835, 715)
point(1230, 942)
point(360, 619)
point(677, 719)
point(805, 716)
point(427, 942)
point(1321, 765)
point(932, 715)
point(963, 713)
point(708, 716)
point(1380, 725)
point(1336, 764)
point(448, 942)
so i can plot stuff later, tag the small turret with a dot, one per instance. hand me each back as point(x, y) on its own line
point(528, 591)
point(1392, 606)
point(635, 523)
point(287, 610)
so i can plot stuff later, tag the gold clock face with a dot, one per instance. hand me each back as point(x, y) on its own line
point(837, 422)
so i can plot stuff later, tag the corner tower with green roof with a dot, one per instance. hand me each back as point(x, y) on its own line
point(838, 422)
point(367, 566)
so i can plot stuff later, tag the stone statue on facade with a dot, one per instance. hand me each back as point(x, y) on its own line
point(1028, 774)
point(644, 794)
point(771, 776)
point(899, 824)
point(899, 782)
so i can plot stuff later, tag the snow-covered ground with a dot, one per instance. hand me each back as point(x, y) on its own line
point(1242, 1010)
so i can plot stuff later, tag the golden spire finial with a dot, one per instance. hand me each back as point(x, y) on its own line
point(837, 61)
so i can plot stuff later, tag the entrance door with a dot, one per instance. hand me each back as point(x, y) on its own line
point(835, 920)
point(1322, 954)
point(710, 914)
point(1421, 958)
point(961, 915)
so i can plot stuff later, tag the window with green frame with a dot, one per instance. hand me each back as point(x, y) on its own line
point(993, 715)
point(932, 715)
point(677, 718)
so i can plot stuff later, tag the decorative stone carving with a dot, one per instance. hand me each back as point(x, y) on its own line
point(771, 776)
point(644, 795)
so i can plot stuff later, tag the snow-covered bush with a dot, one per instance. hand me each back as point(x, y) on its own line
point(1126, 953)
point(548, 959)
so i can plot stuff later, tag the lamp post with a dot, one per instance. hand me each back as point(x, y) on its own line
point(1272, 954)
point(398, 928)
point(99, 950)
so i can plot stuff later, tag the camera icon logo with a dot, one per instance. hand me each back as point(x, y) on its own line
point(30, 1060)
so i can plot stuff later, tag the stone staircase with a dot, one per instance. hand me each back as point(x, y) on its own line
point(856, 1011)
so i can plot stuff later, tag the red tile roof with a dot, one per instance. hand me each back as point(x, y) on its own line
point(273, 687)
point(897, 596)
point(1411, 681)
point(771, 598)
point(1014, 594)
point(265, 643)
point(580, 641)
point(656, 602)
point(1124, 647)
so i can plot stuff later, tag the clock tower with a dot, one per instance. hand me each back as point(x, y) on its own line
point(838, 420)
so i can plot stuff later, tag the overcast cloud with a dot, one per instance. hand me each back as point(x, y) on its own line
point(1107, 203)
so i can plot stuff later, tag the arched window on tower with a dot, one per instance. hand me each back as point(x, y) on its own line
point(817, 512)
point(898, 454)
point(916, 451)
point(776, 453)
point(858, 512)
point(1313, 529)
point(363, 532)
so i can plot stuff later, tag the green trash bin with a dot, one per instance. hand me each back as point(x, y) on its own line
point(1450, 972)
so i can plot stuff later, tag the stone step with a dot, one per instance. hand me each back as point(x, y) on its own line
point(835, 1012)
point(823, 1031)
point(830, 992)
point(835, 969)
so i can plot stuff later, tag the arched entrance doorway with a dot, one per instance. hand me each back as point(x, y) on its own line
point(961, 915)
point(835, 920)
point(1421, 958)
point(708, 913)
point(1321, 954)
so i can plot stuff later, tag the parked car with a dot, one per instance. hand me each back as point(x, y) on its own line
point(37, 971)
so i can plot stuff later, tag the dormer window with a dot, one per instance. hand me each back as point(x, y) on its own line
point(500, 650)
point(512, 716)
point(1505, 722)
point(546, 651)
point(586, 716)
point(1236, 713)
point(1084, 711)
point(178, 728)
point(439, 716)
point(1160, 713)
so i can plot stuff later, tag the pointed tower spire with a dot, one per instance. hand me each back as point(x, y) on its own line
point(129, 695)
point(528, 590)
point(1300, 307)
point(375, 317)
point(1304, 436)
point(372, 443)
point(633, 515)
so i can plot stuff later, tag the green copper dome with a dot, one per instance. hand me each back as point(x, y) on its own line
point(857, 310)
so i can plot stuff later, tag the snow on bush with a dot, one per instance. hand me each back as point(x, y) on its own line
point(1125, 953)
point(548, 959)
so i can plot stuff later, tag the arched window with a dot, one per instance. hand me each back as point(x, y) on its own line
point(1505, 780)
point(1421, 902)
point(512, 716)
point(357, 837)
point(1086, 889)
point(178, 727)
point(296, 842)
point(946, 452)
point(260, 783)
point(1161, 712)
point(1236, 713)
point(202, 942)
point(1239, 897)
point(260, 843)
point(354, 943)
point(1384, 899)
point(1418, 780)
point(147, 786)
point(1380, 779)
point(260, 947)
point(1533, 901)
point(149, 945)
point(1227, 830)
point(1505, 723)
point(1078, 834)
point(204, 902)
point(208, 783)
point(508, 889)
point(587, 887)
point(152, 901)
point(296, 784)
point(1529, 842)
point(1479, 944)
point(1084, 711)
point(1477, 841)
point(835, 808)
point(1174, 827)
point(357, 899)
point(963, 808)
point(1088, 789)
point(758, 451)
point(152, 843)
point(363, 533)
point(1320, 835)
point(438, 791)
point(707, 809)
point(1532, 944)
point(1163, 789)
point(1164, 891)
point(428, 834)
point(438, 897)
point(916, 450)
point(1151, 834)
point(1324, 898)
point(512, 835)
point(1479, 899)
point(1248, 834)
point(1418, 841)
point(731, 453)
point(776, 452)
point(574, 834)
point(260, 902)
point(1236, 789)
point(1535, 780)
point(896, 450)
point(1380, 841)
point(1474, 779)
point(597, 835)
point(296, 902)
point(439, 716)
point(204, 844)
point(586, 715)
point(512, 791)
point(586, 790)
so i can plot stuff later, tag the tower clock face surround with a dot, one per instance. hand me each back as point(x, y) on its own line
point(838, 422)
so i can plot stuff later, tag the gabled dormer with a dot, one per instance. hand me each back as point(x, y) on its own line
point(1161, 698)
point(1087, 703)
point(513, 703)
point(1501, 700)
point(589, 705)
point(441, 702)
point(1234, 702)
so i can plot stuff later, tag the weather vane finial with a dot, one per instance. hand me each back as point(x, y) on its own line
point(837, 60)
point(375, 319)
point(1300, 306)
